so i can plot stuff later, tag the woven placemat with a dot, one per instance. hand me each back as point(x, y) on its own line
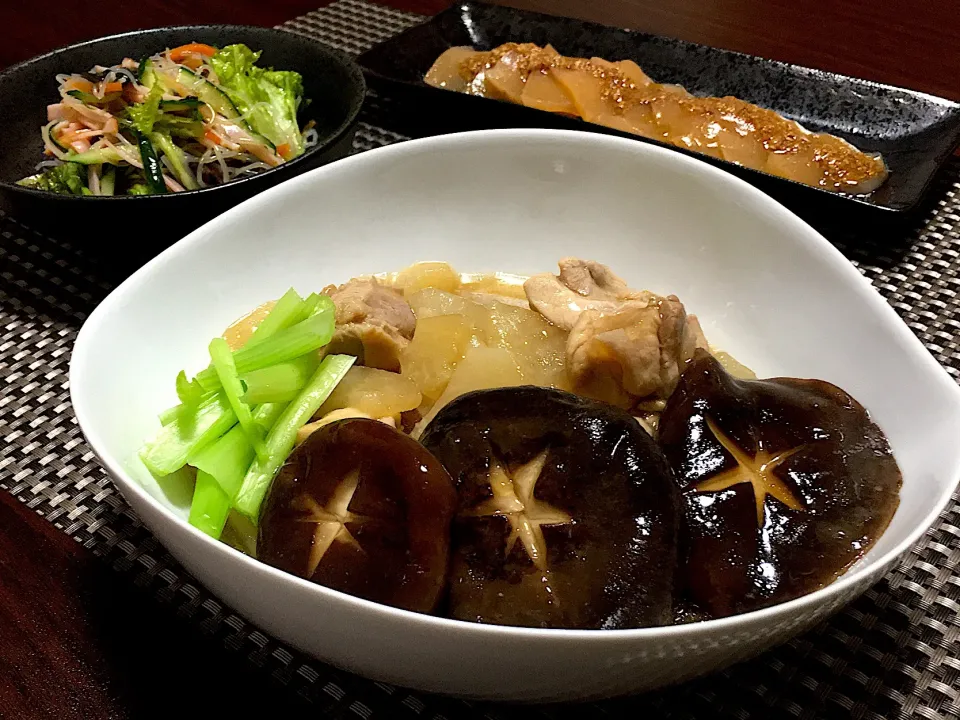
point(894, 654)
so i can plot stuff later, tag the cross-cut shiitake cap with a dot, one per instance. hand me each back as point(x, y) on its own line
point(362, 508)
point(785, 483)
point(566, 515)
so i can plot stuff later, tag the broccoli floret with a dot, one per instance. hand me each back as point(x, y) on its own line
point(67, 179)
point(269, 99)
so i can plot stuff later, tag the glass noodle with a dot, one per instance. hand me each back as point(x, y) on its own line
point(193, 116)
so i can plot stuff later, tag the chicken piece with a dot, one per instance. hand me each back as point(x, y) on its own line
point(677, 343)
point(636, 351)
point(624, 345)
point(581, 285)
point(374, 323)
point(614, 355)
point(699, 339)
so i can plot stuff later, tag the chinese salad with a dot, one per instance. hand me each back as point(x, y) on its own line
point(189, 117)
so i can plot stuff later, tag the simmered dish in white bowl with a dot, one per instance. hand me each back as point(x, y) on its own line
point(558, 451)
point(518, 467)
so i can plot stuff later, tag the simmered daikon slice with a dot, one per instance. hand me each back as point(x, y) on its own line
point(445, 72)
point(505, 80)
point(542, 92)
point(586, 91)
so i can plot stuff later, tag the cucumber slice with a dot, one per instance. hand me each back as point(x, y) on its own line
point(151, 164)
point(147, 73)
point(188, 103)
point(213, 96)
point(53, 138)
point(202, 89)
point(97, 157)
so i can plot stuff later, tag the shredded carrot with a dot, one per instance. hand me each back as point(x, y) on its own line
point(212, 136)
point(179, 53)
point(283, 150)
point(78, 84)
point(112, 87)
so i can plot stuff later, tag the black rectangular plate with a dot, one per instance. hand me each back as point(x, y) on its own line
point(915, 132)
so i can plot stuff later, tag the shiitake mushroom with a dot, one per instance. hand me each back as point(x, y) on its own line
point(566, 514)
point(785, 483)
point(362, 508)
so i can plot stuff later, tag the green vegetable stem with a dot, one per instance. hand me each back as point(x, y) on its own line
point(285, 345)
point(281, 439)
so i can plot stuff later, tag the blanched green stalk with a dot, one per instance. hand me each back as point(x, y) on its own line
point(278, 383)
point(230, 381)
point(190, 432)
point(314, 302)
point(225, 463)
point(228, 459)
point(287, 311)
point(304, 337)
point(172, 413)
point(189, 391)
point(210, 506)
point(281, 438)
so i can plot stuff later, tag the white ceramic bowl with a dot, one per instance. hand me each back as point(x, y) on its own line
point(767, 287)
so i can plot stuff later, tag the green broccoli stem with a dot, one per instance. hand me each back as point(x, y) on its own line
point(191, 431)
point(278, 383)
point(285, 345)
point(282, 436)
point(108, 181)
point(210, 506)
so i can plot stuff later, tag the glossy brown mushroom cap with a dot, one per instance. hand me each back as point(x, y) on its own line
point(785, 483)
point(567, 512)
point(362, 508)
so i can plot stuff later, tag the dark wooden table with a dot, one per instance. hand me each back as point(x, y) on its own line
point(66, 650)
point(914, 44)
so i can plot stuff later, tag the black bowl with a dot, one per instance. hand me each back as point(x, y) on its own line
point(131, 229)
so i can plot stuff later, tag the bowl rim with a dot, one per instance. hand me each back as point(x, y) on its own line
point(359, 84)
point(815, 242)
